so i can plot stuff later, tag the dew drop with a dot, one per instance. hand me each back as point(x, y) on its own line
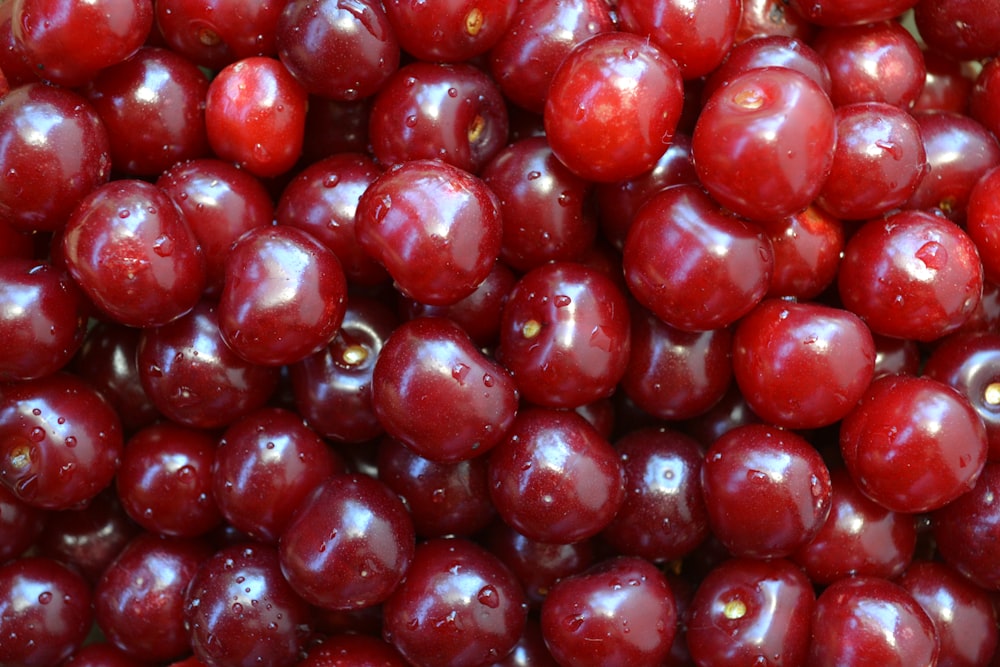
point(45, 598)
point(331, 181)
point(488, 380)
point(237, 608)
point(36, 412)
point(269, 445)
point(411, 121)
point(630, 53)
point(562, 301)
point(459, 372)
point(163, 246)
point(452, 92)
point(489, 597)
point(533, 175)
point(37, 434)
point(574, 622)
point(124, 213)
point(71, 441)
point(933, 255)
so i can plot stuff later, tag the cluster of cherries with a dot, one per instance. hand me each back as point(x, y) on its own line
point(459, 333)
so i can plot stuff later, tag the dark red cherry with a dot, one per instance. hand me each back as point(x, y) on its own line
point(751, 612)
point(214, 33)
point(60, 441)
point(350, 650)
point(349, 545)
point(266, 464)
point(618, 612)
point(565, 335)
point(772, 17)
point(240, 610)
point(283, 297)
point(913, 444)
point(459, 605)
point(620, 71)
point(849, 12)
point(769, 51)
point(748, 474)
point(20, 525)
point(54, 149)
point(981, 97)
point(950, 85)
point(807, 248)
point(451, 30)
point(959, 29)
point(983, 221)
point(967, 531)
point(101, 655)
point(555, 479)
point(45, 612)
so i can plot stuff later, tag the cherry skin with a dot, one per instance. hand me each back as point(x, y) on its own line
point(692, 264)
point(802, 365)
point(283, 297)
point(959, 30)
point(981, 98)
point(748, 611)
point(782, 123)
point(215, 33)
point(266, 464)
point(866, 620)
point(20, 525)
point(807, 249)
point(966, 531)
point(240, 609)
point(913, 444)
point(555, 479)
point(849, 12)
point(435, 228)
point(434, 391)
point(459, 605)
point(565, 335)
point(911, 275)
point(449, 31)
point(623, 72)
point(255, 114)
point(772, 17)
point(337, 51)
point(165, 480)
point(67, 156)
point(101, 655)
point(769, 51)
point(139, 601)
point(41, 318)
point(194, 378)
point(45, 612)
point(60, 441)
point(350, 650)
point(748, 474)
point(620, 611)
point(349, 545)
point(983, 216)
point(949, 86)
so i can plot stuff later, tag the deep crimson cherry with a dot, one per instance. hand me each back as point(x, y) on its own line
point(967, 531)
point(133, 253)
point(459, 605)
point(878, 162)
point(950, 85)
point(20, 525)
point(323, 200)
point(772, 17)
point(443, 498)
point(751, 612)
point(192, 377)
point(14, 60)
point(165, 480)
point(565, 335)
point(266, 464)
point(849, 12)
point(959, 29)
point(349, 545)
point(338, 50)
point(896, 356)
point(802, 365)
point(663, 517)
point(913, 444)
point(807, 248)
point(530, 650)
point(449, 30)
point(868, 620)
point(219, 202)
point(981, 99)
point(674, 374)
point(350, 650)
point(255, 114)
point(89, 538)
point(153, 105)
point(546, 209)
point(911, 275)
point(240, 610)
point(60, 441)
point(433, 390)
point(541, 34)
point(962, 613)
point(45, 612)
point(697, 37)
point(435, 228)
point(618, 612)
point(69, 42)
point(859, 537)
point(449, 112)
point(555, 479)
point(101, 655)
point(767, 491)
point(764, 144)
point(691, 263)
point(333, 126)
point(731, 411)
point(612, 106)
point(215, 33)
point(139, 600)
point(42, 319)
point(983, 221)
point(283, 296)
point(54, 149)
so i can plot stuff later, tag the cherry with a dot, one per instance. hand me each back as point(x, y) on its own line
point(965, 530)
point(807, 248)
point(450, 30)
point(427, 365)
point(849, 12)
point(958, 29)
point(982, 215)
point(773, 17)
point(981, 97)
point(769, 51)
point(619, 611)
point(459, 605)
point(60, 441)
point(615, 71)
point(913, 444)
point(101, 655)
point(349, 545)
point(767, 491)
point(349, 650)
point(215, 33)
point(20, 525)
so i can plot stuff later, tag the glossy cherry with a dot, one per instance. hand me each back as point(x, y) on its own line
point(20, 525)
point(966, 530)
point(958, 29)
point(449, 31)
point(215, 33)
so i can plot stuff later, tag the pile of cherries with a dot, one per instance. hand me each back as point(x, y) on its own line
point(455, 333)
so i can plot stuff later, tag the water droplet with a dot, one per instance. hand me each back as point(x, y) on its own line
point(756, 476)
point(452, 92)
point(562, 301)
point(459, 371)
point(237, 608)
point(630, 53)
point(488, 380)
point(382, 208)
point(533, 175)
point(411, 121)
point(600, 339)
point(37, 434)
point(574, 622)
point(331, 181)
point(890, 147)
point(36, 412)
point(45, 598)
point(163, 246)
point(70, 441)
point(489, 597)
point(124, 213)
point(933, 255)
point(269, 445)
